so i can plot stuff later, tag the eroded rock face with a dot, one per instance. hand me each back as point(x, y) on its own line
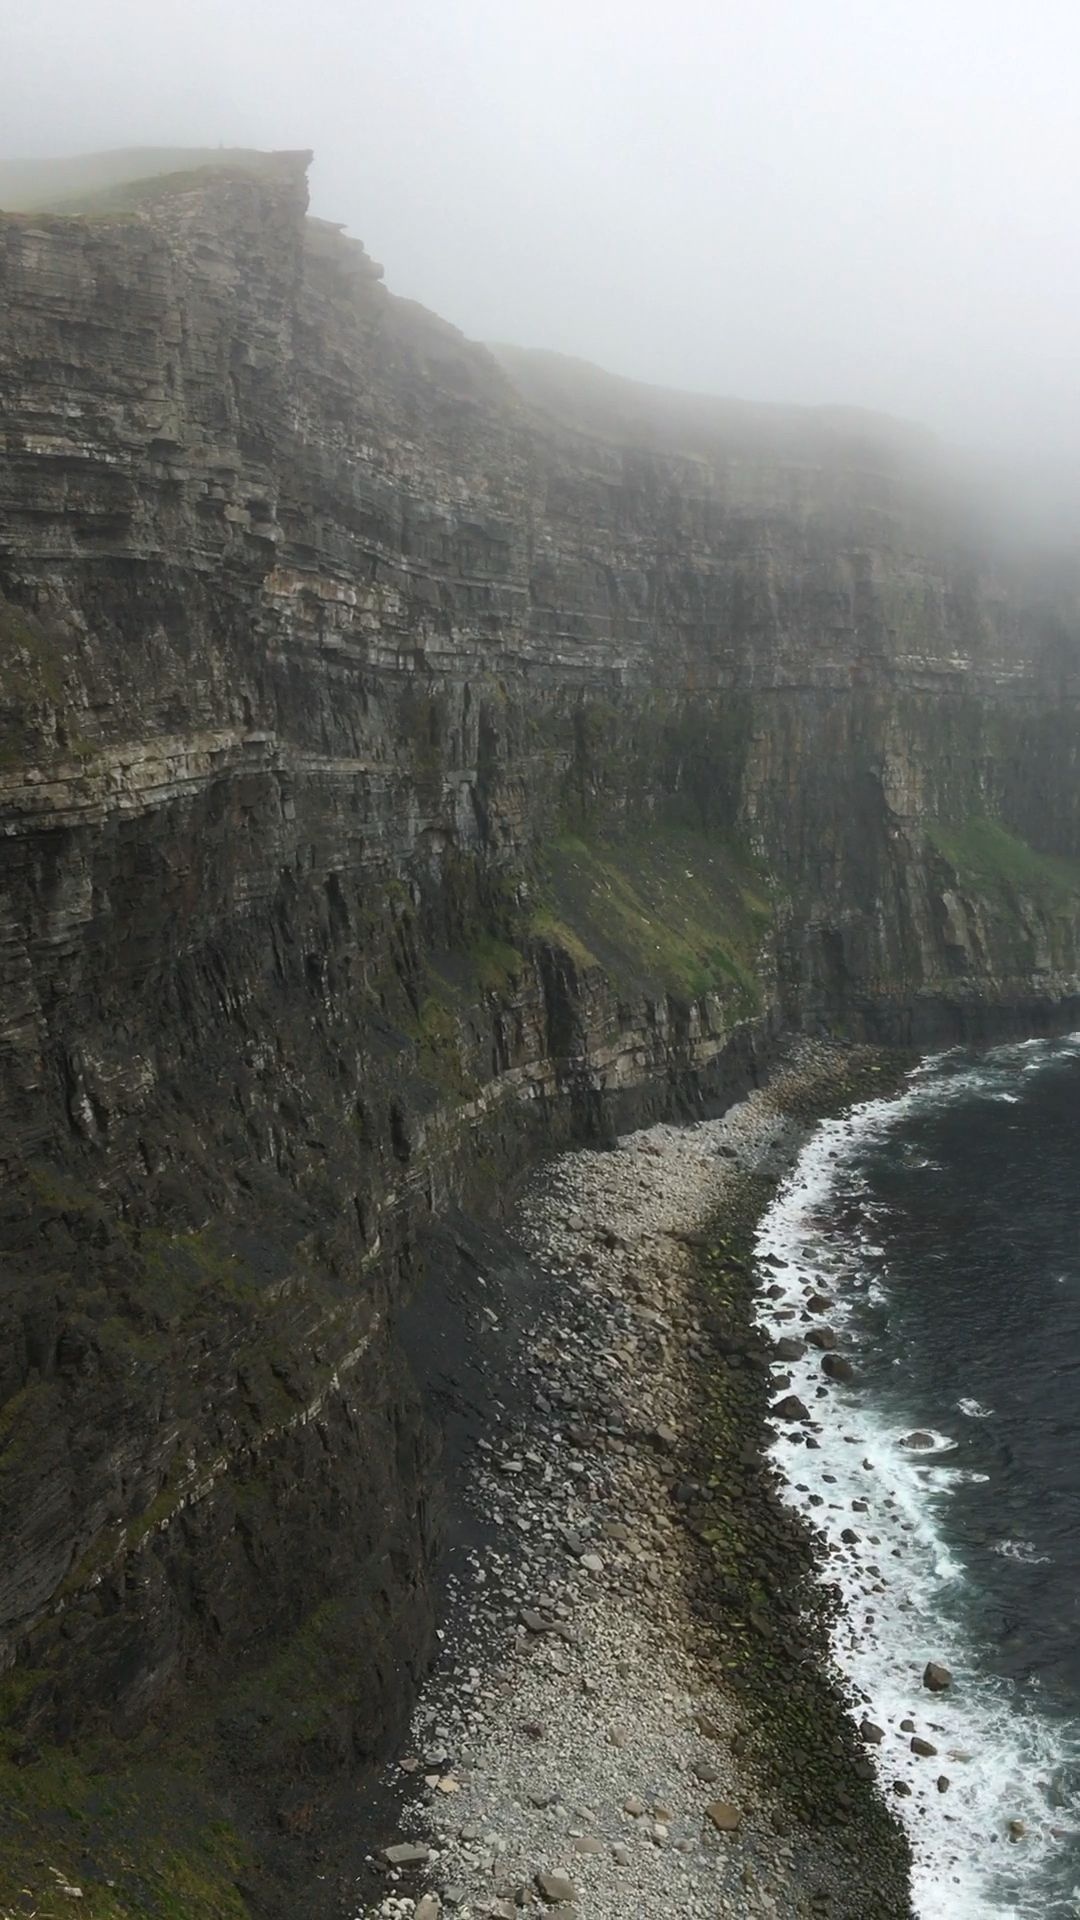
point(347, 678)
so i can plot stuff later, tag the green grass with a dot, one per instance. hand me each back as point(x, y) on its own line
point(138, 1842)
point(99, 182)
point(544, 925)
point(670, 906)
point(496, 964)
point(439, 1040)
point(986, 856)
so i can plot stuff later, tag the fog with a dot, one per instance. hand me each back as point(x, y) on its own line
point(866, 201)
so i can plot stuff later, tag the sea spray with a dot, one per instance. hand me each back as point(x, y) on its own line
point(983, 1809)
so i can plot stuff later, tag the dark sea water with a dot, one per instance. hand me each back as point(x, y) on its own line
point(946, 1227)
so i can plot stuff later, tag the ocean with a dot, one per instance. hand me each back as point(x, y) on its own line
point(943, 1229)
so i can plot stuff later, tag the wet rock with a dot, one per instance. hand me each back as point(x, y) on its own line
point(936, 1679)
point(838, 1369)
point(924, 1748)
point(790, 1408)
point(788, 1349)
point(919, 1440)
point(872, 1734)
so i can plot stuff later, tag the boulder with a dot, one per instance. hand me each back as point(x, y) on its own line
point(725, 1818)
point(556, 1889)
point(790, 1408)
point(936, 1679)
point(788, 1349)
point(837, 1368)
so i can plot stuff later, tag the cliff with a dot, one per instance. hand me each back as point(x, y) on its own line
point(412, 758)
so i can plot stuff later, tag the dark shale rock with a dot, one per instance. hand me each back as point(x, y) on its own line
point(318, 625)
point(837, 1368)
point(936, 1679)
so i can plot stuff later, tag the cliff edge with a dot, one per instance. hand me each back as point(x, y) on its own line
point(413, 758)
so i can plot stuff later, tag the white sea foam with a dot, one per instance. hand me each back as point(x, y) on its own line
point(1021, 1550)
point(902, 1583)
point(974, 1410)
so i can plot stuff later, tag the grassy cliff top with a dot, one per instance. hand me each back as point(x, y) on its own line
point(94, 182)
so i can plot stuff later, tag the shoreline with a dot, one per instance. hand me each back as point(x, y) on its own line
point(635, 1709)
point(878, 1489)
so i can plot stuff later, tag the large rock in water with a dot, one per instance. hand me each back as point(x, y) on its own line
point(835, 1367)
point(790, 1408)
point(936, 1678)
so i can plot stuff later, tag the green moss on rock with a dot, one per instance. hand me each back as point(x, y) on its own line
point(670, 906)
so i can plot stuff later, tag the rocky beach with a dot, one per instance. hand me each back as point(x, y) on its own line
point(632, 1712)
point(418, 762)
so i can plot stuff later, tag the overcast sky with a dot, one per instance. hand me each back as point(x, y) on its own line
point(871, 201)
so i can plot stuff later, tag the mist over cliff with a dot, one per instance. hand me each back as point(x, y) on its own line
point(413, 757)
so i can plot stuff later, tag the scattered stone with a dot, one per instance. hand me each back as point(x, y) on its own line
point(586, 1432)
point(936, 1679)
point(790, 1408)
point(923, 1748)
point(556, 1889)
point(725, 1817)
point(405, 1853)
point(870, 1733)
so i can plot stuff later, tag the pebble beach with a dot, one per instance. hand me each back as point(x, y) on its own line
point(638, 1720)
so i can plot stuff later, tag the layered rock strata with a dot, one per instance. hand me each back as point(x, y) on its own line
point(411, 759)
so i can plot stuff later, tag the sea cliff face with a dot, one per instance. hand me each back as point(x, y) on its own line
point(411, 759)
